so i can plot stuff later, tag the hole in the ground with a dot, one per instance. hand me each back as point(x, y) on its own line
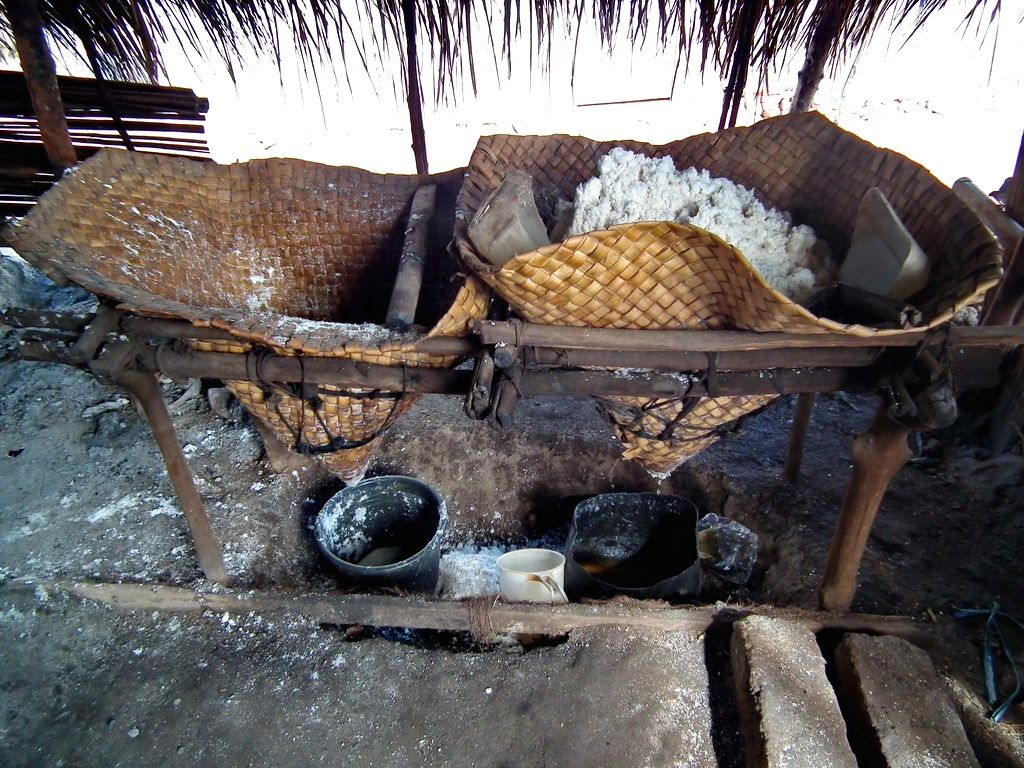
point(443, 640)
point(725, 717)
point(15, 452)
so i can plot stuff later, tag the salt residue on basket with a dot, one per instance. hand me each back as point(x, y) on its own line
point(632, 187)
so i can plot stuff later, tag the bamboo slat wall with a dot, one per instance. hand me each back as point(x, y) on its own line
point(155, 119)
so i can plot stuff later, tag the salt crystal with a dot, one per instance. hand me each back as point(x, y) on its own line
point(631, 187)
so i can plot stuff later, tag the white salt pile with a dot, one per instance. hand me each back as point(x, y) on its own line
point(631, 187)
point(469, 571)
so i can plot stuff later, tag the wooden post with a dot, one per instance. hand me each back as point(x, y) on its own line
point(821, 41)
point(405, 294)
point(41, 79)
point(878, 454)
point(414, 96)
point(144, 388)
point(798, 435)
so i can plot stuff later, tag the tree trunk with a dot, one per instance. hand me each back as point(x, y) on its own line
point(41, 79)
point(414, 97)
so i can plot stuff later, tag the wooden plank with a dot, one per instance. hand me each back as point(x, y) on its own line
point(422, 613)
point(557, 336)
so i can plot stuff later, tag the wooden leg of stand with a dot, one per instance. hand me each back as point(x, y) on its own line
point(798, 435)
point(878, 454)
point(144, 388)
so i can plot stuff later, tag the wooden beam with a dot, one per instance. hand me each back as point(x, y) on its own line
point(565, 337)
point(798, 436)
point(405, 294)
point(143, 387)
point(41, 79)
point(878, 454)
point(496, 616)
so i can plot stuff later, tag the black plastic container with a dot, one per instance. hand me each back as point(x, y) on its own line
point(385, 531)
point(636, 544)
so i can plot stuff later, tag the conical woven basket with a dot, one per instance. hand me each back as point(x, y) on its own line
point(663, 275)
point(287, 255)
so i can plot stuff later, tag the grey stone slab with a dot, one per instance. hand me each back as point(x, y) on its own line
point(905, 718)
point(789, 713)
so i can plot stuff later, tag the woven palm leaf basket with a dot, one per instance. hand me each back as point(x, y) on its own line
point(660, 275)
point(285, 255)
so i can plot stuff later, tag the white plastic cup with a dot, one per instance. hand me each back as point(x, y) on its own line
point(532, 576)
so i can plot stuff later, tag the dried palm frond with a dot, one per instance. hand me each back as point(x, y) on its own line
point(736, 37)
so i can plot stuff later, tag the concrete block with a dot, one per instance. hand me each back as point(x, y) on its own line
point(789, 713)
point(901, 716)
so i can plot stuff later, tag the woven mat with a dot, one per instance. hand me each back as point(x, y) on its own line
point(662, 275)
point(289, 255)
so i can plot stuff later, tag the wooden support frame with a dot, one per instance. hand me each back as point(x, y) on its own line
point(798, 436)
point(144, 388)
point(878, 454)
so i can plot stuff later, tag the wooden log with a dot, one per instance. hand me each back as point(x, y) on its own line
point(798, 436)
point(143, 387)
point(750, 360)
point(420, 613)
point(1007, 304)
point(1006, 230)
point(566, 337)
point(18, 317)
point(41, 80)
point(1015, 190)
point(1006, 423)
point(878, 454)
point(405, 294)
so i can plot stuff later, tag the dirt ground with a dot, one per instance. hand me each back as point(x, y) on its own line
point(83, 494)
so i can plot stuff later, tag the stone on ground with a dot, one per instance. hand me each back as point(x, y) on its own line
point(789, 713)
point(894, 694)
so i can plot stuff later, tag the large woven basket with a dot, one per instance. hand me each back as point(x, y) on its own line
point(288, 255)
point(664, 275)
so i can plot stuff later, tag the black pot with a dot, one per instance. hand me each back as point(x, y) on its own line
point(637, 544)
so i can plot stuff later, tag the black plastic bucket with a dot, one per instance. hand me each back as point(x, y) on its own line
point(637, 544)
point(385, 531)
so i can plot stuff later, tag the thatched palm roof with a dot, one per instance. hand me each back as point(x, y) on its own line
point(123, 38)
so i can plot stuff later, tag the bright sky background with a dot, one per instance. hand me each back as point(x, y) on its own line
point(932, 99)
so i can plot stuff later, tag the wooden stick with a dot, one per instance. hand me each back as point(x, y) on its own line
point(798, 436)
point(41, 79)
point(558, 337)
point(405, 294)
point(419, 613)
point(144, 388)
point(1006, 230)
point(878, 454)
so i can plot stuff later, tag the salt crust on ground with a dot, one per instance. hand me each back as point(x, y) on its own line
point(632, 187)
point(469, 571)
